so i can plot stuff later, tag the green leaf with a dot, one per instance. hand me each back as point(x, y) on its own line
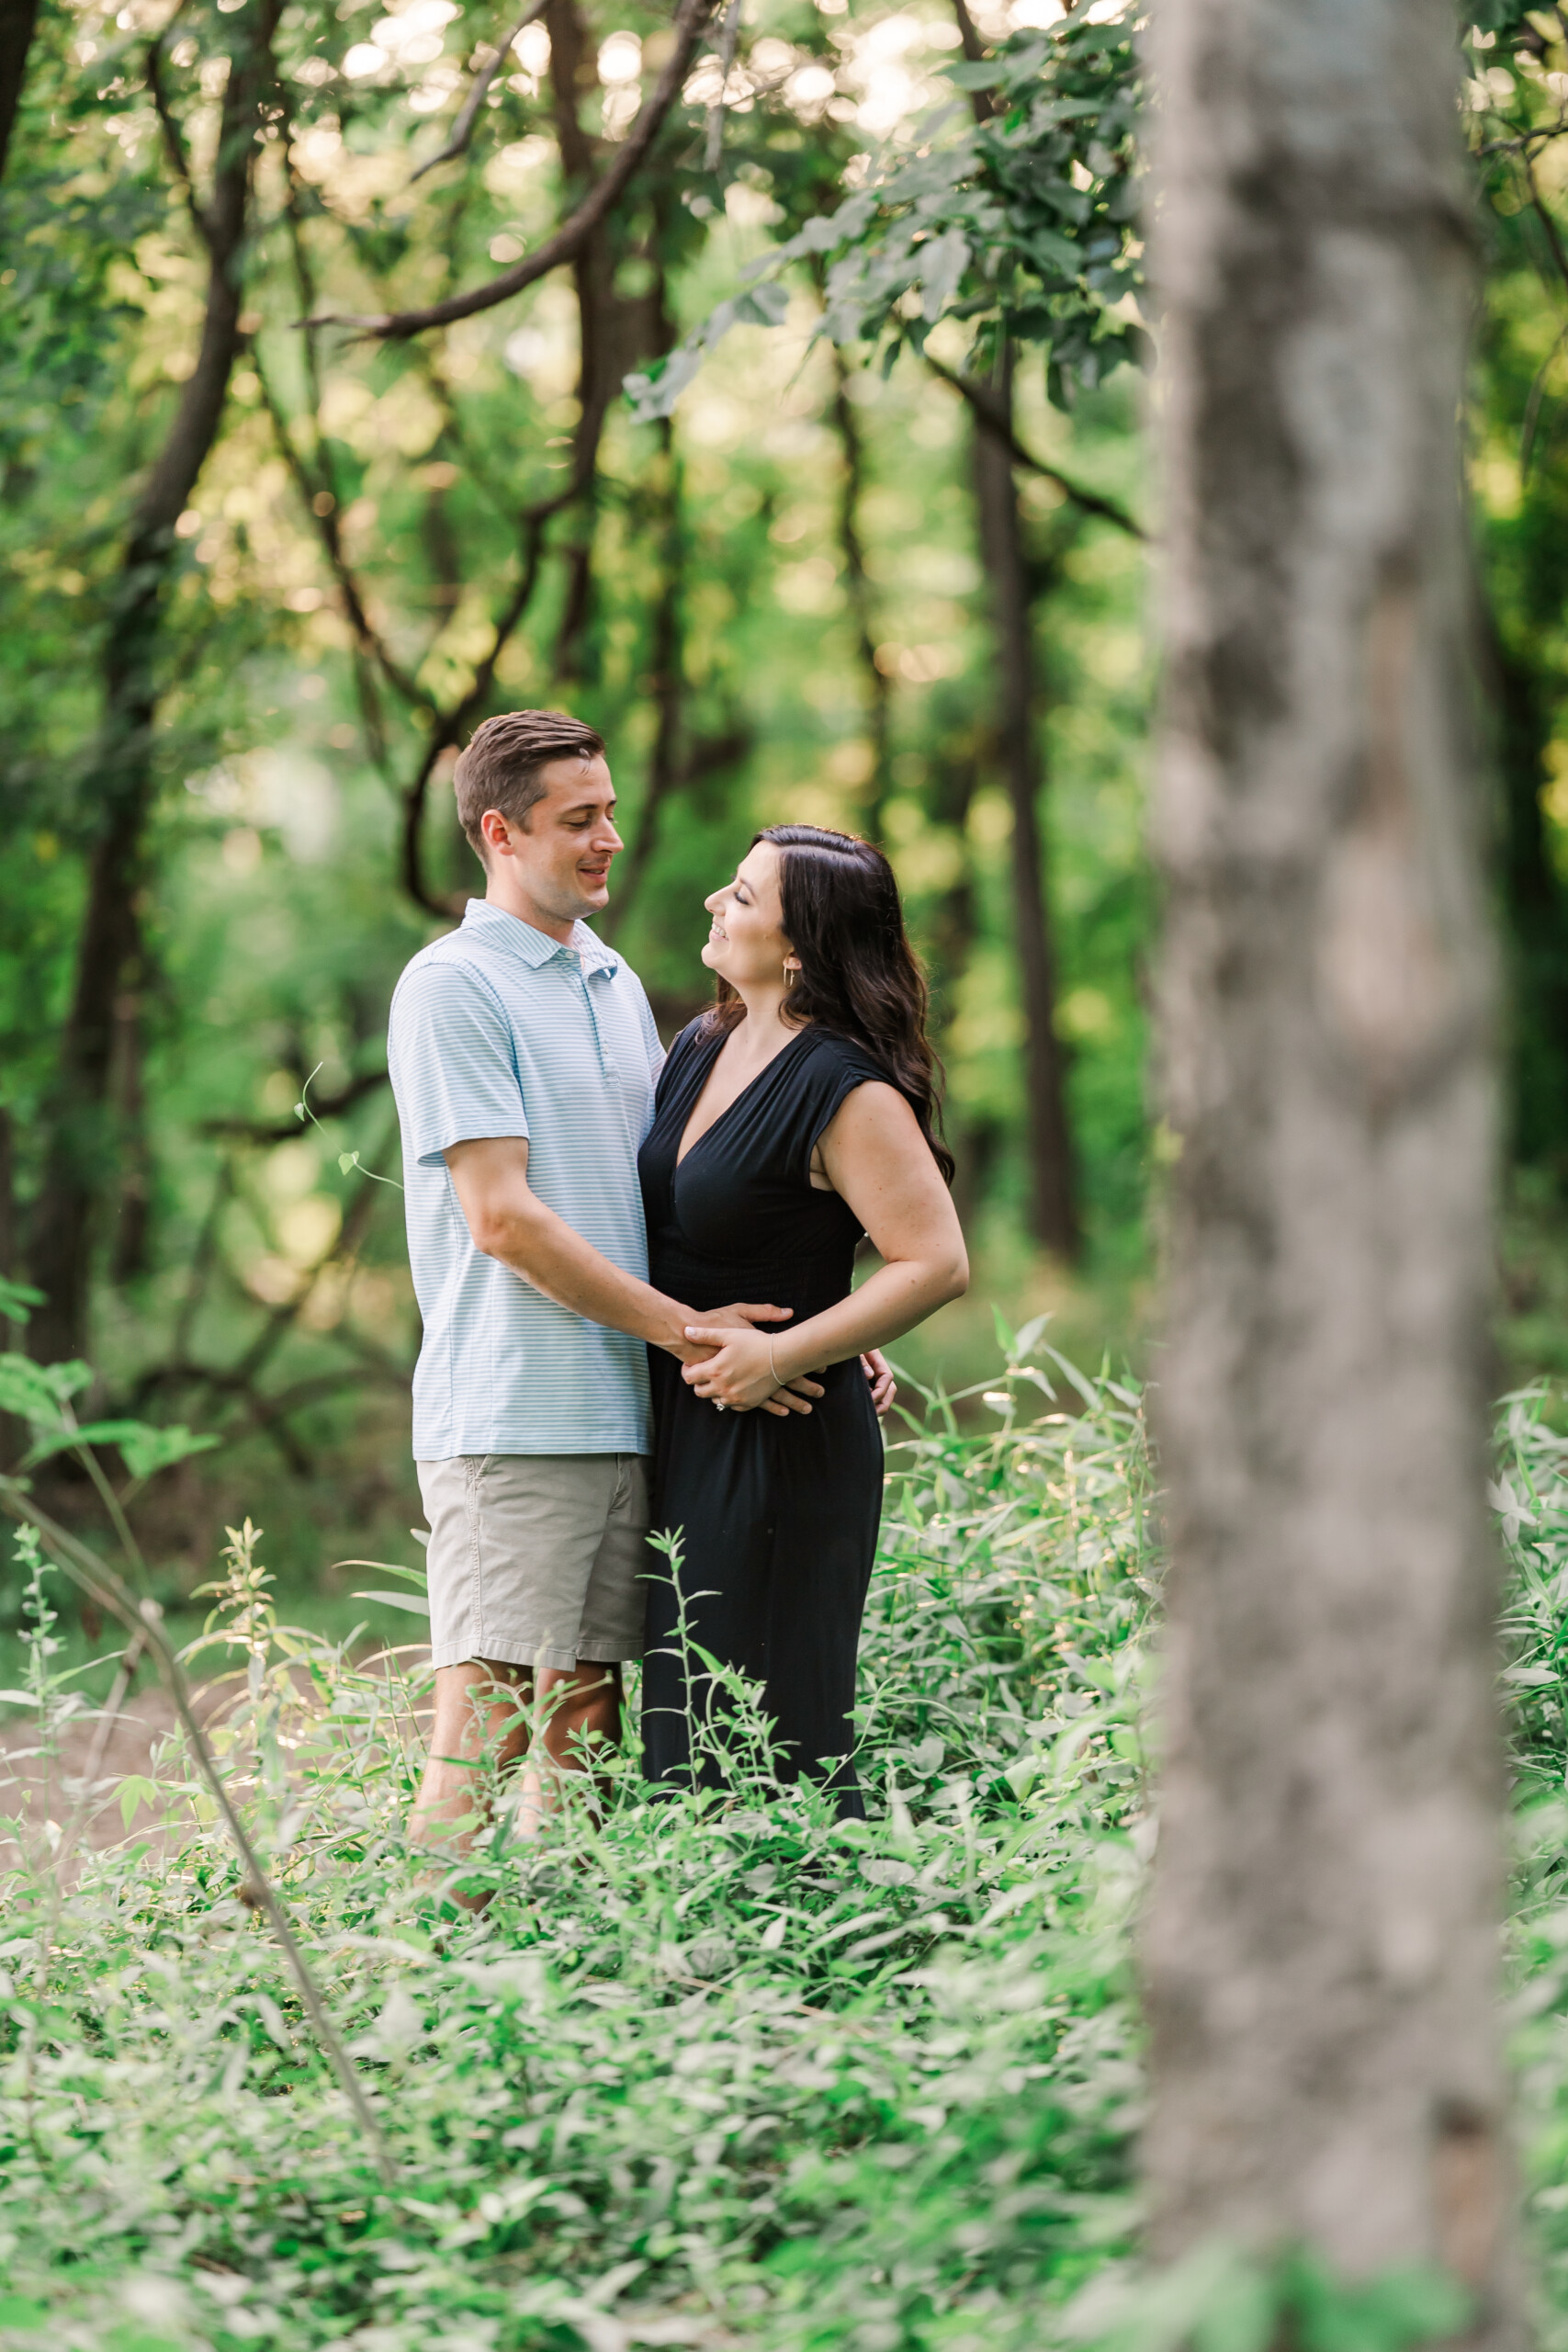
point(143, 1448)
point(346, 1160)
point(983, 75)
point(135, 1789)
point(17, 1298)
point(416, 1576)
point(17, 2311)
point(36, 1392)
point(397, 1600)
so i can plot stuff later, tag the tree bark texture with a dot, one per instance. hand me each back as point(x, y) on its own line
point(1322, 1940)
point(1053, 1210)
point(79, 1157)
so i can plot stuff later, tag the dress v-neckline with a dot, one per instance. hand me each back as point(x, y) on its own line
point(734, 1103)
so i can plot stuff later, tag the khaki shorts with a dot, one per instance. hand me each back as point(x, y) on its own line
point(536, 1559)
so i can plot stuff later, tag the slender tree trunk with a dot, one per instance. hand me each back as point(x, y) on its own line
point(18, 20)
point(863, 600)
point(1053, 1210)
point(1536, 908)
point(1321, 1940)
point(79, 1158)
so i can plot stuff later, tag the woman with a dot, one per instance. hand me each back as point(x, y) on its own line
point(795, 1114)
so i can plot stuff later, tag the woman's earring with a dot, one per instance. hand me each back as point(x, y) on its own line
point(789, 973)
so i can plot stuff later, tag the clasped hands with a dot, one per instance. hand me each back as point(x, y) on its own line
point(731, 1364)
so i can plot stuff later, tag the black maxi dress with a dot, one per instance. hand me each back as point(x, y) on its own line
point(777, 1517)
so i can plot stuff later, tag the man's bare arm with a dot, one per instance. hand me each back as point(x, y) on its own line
point(508, 1221)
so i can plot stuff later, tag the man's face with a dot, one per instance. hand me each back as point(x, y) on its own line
point(559, 858)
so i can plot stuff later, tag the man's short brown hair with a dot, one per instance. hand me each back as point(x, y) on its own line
point(500, 768)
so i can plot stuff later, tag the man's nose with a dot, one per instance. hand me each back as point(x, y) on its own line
point(608, 837)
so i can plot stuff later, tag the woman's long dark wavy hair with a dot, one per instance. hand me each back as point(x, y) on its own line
point(857, 973)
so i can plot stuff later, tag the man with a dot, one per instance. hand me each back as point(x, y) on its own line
point(523, 1055)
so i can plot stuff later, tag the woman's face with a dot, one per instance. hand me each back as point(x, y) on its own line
point(747, 945)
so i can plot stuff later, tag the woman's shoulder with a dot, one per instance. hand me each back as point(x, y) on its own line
point(839, 1061)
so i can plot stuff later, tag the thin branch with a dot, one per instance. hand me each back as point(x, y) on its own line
point(1532, 405)
point(173, 136)
point(1543, 215)
point(97, 1578)
point(992, 416)
point(713, 146)
point(666, 683)
point(463, 128)
point(450, 725)
point(327, 528)
point(1522, 144)
point(879, 687)
point(573, 235)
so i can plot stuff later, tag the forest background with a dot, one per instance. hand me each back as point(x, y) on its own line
point(262, 579)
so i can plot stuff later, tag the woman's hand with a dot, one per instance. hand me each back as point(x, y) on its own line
point(741, 1375)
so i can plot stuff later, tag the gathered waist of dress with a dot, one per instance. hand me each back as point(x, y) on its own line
point(807, 1285)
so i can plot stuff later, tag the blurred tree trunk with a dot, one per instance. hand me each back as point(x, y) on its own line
point(18, 20)
point(79, 1160)
point(1052, 1209)
point(1323, 1939)
point(863, 600)
point(1536, 908)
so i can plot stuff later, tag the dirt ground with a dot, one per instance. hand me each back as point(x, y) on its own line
point(37, 1790)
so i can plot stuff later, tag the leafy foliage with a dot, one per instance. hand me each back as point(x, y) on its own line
point(1023, 224)
point(716, 2065)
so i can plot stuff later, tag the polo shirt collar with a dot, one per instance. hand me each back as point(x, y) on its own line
point(533, 947)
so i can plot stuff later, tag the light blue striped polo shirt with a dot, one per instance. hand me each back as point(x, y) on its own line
point(498, 1030)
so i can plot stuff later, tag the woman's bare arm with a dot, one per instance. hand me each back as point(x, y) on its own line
point(876, 1158)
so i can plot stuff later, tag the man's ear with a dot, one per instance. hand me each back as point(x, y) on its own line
point(495, 834)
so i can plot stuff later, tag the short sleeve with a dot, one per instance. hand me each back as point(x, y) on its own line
point(840, 1068)
point(454, 1070)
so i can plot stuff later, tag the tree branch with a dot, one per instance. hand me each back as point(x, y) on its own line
point(691, 20)
point(328, 530)
point(449, 726)
point(173, 136)
point(1543, 214)
point(326, 1106)
point(992, 416)
point(463, 128)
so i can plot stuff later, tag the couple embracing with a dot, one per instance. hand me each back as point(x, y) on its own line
point(635, 1275)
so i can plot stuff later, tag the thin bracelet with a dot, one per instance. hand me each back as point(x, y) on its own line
point(772, 1366)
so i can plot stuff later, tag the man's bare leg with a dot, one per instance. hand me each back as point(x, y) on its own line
point(481, 1712)
point(580, 1708)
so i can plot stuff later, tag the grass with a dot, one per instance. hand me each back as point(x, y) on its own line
point(721, 2071)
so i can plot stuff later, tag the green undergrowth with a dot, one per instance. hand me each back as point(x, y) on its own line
point(716, 2072)
point(721, 2070)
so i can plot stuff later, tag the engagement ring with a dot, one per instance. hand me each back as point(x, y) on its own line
point(719, 1408)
